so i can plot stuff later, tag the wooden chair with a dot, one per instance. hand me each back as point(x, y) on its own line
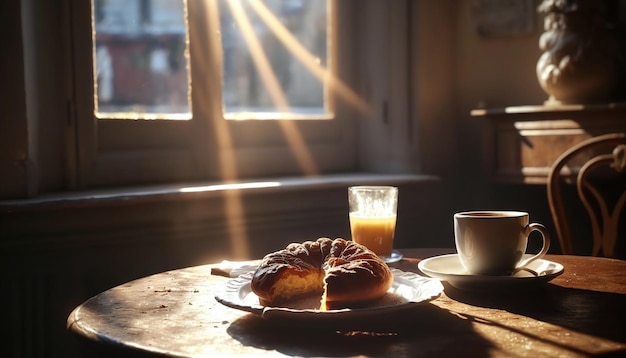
point(597, 166)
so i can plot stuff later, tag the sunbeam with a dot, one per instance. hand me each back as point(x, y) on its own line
point(263, 66)
point(296, 142)
point(298, 146)
point(233, 202)
point(307, 59)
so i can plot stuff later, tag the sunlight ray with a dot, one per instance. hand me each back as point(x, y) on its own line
point(307, 59)
point(298, 146)
point(233, 202)
point(294, 137)
point(259, 58)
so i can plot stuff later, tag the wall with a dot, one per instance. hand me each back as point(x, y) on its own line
point(496, 71)
point(490, 72)
point(12, 153)
point(455, 70)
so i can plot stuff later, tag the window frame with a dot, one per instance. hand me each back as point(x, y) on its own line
point(118, 152)
point(46, 156)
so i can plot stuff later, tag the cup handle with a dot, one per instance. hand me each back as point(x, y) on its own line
point(546, 243)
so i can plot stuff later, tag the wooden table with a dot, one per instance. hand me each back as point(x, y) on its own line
point(578, 314)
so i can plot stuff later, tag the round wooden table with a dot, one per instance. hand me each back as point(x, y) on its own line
point(580, 313)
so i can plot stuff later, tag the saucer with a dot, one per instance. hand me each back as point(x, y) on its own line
point(448, 268)
point(395, 257)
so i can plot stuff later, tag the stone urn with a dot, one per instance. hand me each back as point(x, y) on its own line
point(578, 61)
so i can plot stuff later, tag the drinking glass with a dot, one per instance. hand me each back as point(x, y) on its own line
point(373, 213)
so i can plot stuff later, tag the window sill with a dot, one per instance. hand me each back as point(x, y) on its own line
point(202, 221)
point(199, 191)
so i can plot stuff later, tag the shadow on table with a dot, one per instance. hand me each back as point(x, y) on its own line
point(424, 331)
point(598, 314)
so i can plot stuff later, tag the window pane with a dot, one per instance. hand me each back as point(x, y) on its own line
point(140, 59)
point(275, 57)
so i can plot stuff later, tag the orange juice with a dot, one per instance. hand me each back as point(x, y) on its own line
point(376, 233)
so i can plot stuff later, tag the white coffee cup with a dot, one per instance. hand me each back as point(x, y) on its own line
point(494, 242)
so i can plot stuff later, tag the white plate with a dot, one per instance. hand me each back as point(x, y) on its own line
point(448, 268)
point(408, 290)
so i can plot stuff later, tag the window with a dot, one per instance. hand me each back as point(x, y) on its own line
point(274, 62)
point(274, 58)
point(140, 59)
point(174, 90)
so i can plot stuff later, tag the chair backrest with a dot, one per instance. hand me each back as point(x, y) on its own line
point(597, 167)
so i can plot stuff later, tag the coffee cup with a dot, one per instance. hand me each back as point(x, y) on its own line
point(495, 242)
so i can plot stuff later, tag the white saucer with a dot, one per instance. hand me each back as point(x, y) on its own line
point(448, 268)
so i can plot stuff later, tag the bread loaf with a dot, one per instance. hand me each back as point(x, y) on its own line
point(343, 272)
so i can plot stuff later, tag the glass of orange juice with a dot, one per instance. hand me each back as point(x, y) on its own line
point(373, 211)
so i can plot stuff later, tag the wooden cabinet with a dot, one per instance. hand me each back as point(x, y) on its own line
point(521, 143)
